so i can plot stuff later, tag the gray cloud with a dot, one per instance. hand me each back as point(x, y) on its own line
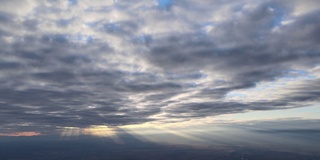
point(129, 62)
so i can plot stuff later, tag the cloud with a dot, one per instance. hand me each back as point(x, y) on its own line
point(81, 63)
point(21, 134)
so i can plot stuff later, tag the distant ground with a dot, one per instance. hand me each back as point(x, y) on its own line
point(90, 148)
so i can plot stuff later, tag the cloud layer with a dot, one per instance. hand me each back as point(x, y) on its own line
point(81, 63)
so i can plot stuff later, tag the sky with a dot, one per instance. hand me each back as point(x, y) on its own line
point(89, 67)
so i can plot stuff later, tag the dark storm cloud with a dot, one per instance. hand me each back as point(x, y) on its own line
point(76, 66)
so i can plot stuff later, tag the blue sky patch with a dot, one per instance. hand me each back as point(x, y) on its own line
point(165, 4)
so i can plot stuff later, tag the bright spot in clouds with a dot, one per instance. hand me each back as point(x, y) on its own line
point(94, 130)
point(99, 131)
point(21, 134)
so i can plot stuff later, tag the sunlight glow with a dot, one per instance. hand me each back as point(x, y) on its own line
point(99, 131)
point(21, 134)
point(94, 130)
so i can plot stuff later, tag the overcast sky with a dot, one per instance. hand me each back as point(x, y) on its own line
point(81, 63)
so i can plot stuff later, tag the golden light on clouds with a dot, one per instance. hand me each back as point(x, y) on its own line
point(99, 131)
point(21, 134)
point(94, 130)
